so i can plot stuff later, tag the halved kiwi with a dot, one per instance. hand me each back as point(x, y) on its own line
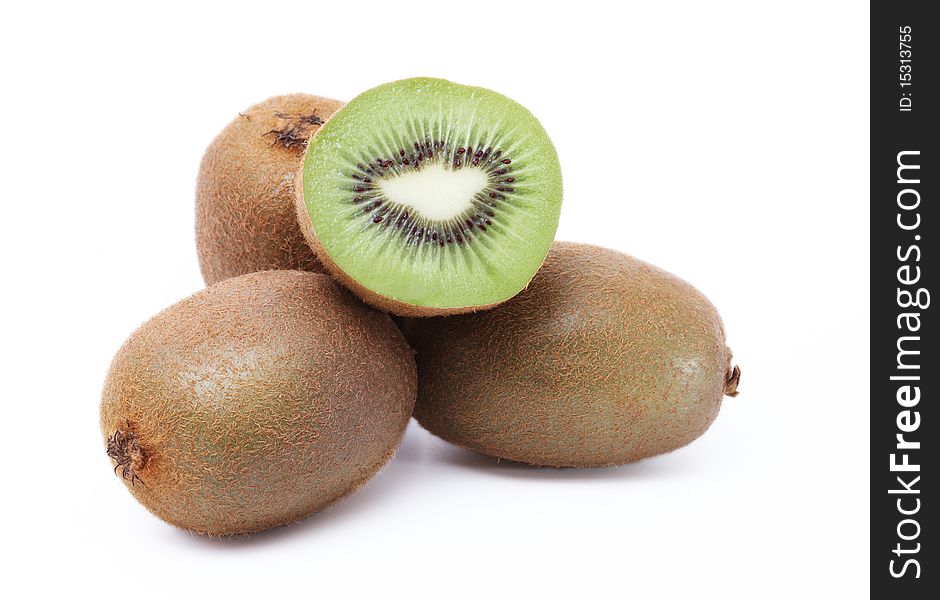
point(426, 197)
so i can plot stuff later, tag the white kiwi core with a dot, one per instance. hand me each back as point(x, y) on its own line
point(436, 192)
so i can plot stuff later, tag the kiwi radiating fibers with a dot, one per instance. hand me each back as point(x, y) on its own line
point(426, 197)
point(256, 402)
point(602, 360)
point(245, 218)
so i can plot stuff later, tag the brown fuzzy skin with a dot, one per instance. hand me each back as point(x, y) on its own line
point(379, 301)
point(256, 402)
point(245, 219)
point(602, 360)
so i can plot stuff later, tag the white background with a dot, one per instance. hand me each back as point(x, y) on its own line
point(724, 141)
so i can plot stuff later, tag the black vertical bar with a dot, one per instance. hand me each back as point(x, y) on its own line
point(905, 438)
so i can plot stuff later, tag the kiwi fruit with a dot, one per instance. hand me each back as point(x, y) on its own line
point(426, 197)
point(602, 360)
point(245, 220)
point(256, 402)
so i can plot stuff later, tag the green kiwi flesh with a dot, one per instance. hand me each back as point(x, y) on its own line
point(245, 217)
point(256, 402)
point(427, 197)
point(602, 360)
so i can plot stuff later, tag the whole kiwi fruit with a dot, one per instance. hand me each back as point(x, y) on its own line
point(602, 360)
point(256, 402)
point(245, 217)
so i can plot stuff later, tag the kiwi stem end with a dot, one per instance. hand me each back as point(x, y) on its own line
point(124, 449)
point(732, 378)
